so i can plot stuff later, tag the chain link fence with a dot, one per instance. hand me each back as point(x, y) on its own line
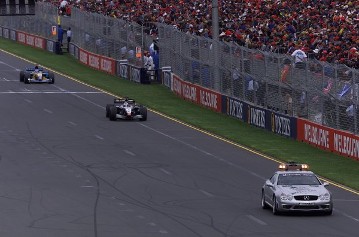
point(324, 93)
point(40, 23)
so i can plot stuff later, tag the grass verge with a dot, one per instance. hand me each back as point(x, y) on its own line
point(339, 169)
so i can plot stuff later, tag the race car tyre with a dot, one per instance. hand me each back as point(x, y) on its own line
point(143, 112)
point(263, 202)
point(113, 112)
point(108, 106)
point(51, 77)
point(27, 78)
point(275, 207)
point(22, 76)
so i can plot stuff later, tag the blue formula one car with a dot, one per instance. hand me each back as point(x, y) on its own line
point(36, 75)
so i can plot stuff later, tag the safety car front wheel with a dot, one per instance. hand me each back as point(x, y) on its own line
point(275, 207)
point(329, 213)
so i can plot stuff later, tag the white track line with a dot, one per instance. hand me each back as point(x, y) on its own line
point(72, 123)
point(89, 101)
point(206, 193)
point(346, 215)
point(165, 171)
point(99, 137)
point(129, 152)
point(204, 152)
point(48, 111)
point(10, 66)
point(256, 220)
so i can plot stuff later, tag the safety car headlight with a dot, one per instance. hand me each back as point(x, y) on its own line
point(324, 197)
point(286, 197)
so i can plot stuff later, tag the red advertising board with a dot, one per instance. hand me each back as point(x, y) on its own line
point(197, 94)
point(83, 56)
point(21, 37)
point(98, 62)
point(32, 40)
point(343, 143)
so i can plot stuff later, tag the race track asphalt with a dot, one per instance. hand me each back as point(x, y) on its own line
point(66, 170)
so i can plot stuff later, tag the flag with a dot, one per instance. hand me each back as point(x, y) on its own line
point(328, 87)
point(284, 73)
point(345, 90)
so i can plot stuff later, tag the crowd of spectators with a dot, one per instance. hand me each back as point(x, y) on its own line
point(325, 29)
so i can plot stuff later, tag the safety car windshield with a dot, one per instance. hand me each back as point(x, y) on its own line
point(297, 179)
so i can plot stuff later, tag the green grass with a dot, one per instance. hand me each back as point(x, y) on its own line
point(339, 169)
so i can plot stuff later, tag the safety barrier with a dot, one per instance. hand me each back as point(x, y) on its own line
point(323, 137)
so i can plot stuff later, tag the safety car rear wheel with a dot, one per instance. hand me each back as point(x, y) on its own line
point(113, 112)
point(263, 201)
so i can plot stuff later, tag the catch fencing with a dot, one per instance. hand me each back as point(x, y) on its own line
point(324, 93)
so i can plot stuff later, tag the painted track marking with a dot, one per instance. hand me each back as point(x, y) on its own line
point(255, 219)
point(165, 171)
point(48, 111)
point(204, 152)
point(72, 123)
point(206, 193)
point(347, 215)
point(129, 152)
point(99, 137)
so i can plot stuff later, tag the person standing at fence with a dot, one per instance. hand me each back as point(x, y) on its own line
point(69, 36)
point(60, 34)
point(261, 93)
point(236, 77)
point(350, 112)
point(154, 52)
point(288, 104)
point(303, 105)
point(252, 89)
point(63, 6)
point(285, 71)
point(148, 63)
point(300, 58)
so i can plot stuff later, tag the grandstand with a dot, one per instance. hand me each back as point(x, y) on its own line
point(325, 30)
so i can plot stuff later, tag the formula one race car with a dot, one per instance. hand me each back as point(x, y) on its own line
point(126, 109)
point(36, 75)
